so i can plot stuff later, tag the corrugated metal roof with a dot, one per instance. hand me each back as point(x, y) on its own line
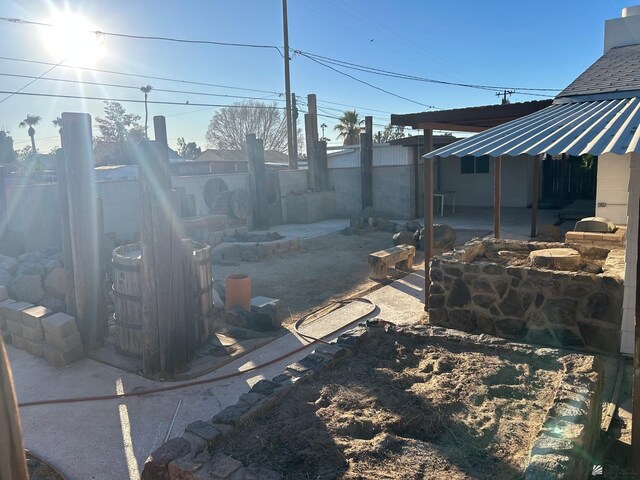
point(597, 127)
point(618, 70)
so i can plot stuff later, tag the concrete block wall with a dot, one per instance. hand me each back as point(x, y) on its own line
point(633, 212)
point(35, 210)
point(612, 187)
point(120, 206)
point(346, 182)
point(293, 181)
point(194, 185)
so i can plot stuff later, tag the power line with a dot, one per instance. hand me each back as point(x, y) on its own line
point(364, 82)
point(146, 37)
point(389, 73)
point(133, 87)
point(35, 79)
point(129, 100)
point(137, 75)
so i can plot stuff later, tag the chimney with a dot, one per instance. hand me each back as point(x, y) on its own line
point(623, 31)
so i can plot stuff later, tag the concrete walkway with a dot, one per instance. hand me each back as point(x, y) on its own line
point(111, 439)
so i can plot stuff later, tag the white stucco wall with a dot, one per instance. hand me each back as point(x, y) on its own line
point(612, 189)
point(476, 189)
point(629, 301)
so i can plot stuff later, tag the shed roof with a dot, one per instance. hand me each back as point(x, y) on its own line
point(618, 70)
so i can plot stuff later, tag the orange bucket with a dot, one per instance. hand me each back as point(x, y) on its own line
point(238, 291)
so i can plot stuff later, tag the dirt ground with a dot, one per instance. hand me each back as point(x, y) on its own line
point(329, 267)
point(406, 407)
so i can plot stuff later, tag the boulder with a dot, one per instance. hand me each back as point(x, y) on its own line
point(26, 288)
point(412, 226)
point(31, 268)
point(8, 263)
point(550, 233)
point(5, 277)
point(444, 237)
point(55, 284)
point(404, 238)
point(250, 254)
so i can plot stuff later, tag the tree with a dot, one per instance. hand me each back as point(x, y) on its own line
point(349, 127)
point(146, 89)
point(389, 133)
point(31, 120)
point(24, 154)
point(7, 154)
point(230, 125)
point(57, 122)
point(118, 125)
point(188, 150)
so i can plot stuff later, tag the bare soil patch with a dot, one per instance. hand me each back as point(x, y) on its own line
point(403, 407)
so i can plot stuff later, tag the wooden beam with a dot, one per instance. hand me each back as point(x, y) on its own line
point(366, 163)
point(77, 143)
point(453, 127)
point(312, 165)
point(497, 180)
point(12, 460)
point(257, 181)
point(535, 193)
point(428, 215)
point(320, 157)
point(635, 422)
point(312, 106)
point(65, 229)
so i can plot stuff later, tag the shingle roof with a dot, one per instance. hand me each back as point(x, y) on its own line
point(618, 70)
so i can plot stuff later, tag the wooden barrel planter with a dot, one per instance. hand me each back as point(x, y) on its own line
point(127, 280)
point(127, 289)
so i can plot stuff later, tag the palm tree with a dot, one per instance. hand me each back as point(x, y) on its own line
point(349, 127)
point(31, 120)
point(57, 122)
point(146, 89)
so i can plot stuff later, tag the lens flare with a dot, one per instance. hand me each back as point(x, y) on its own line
point(72, 39)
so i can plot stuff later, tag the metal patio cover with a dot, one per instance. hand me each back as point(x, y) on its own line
point(574, 128)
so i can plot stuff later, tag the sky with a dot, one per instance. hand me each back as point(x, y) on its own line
point(524, 44)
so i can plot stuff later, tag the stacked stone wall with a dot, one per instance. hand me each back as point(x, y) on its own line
point(559, 308)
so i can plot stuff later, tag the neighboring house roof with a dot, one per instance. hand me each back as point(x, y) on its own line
point(208, 155)
point(418, 140)
point(618, 70)
point(471, 119)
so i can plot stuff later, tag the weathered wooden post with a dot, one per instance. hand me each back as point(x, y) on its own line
point(428, 215)
point(366, 163)
point(77, 144)
point(322, 172)
point(257, 181)
point(535, 193)
point(65, 228)
point(12, 460)
point(497, 188)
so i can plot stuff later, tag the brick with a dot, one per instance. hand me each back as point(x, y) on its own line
point(59, 325)
point(32, 334)
point(35, 348)
point(18, 342)
point(15, 328)
point(58, 358)
point(32, 317)
point(13, 311)
point(66, 344)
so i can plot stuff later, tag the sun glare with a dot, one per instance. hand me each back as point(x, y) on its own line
point(71, 39)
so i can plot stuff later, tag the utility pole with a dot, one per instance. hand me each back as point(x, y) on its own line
point(294, 128)
point(293, 159)
point(503, 94)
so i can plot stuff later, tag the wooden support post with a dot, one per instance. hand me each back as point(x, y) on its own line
point(366, 163)
point(497, 174)
point(257, 181)
point(77, 143)
point(65, 229)
point(635, 409)
point(428, 215)
point(294, 127)
point(12, 460)
point(535, 193)
point(312, 106)
point(193, 331)
point(104, 258)
point(322, 171)
point(176, 340)
point(311, 161)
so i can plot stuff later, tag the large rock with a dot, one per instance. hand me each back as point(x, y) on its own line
point(8, 263)
point(5, 277)
point(55, 284)
point(444, 237)
point(27, 288)
point(404, 238)
point(550, 233)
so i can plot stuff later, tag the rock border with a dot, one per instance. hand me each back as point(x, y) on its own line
point(569, 432)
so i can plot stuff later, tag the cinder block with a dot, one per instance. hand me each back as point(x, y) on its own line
point(4, 293)
point(35, 348)
point(3, 304)
point(58, 358)
point(32, 317)
point(18, 342)
point(32, 334)
point(59, 325)
point(13, 311)
point(15, 328)
point(65, 344)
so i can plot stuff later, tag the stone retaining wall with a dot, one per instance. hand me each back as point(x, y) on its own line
point(560, 308)
point(562, 448)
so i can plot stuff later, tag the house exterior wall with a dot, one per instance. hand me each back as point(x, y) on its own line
point(633, 212)
point(476, 189)
point(612, 188)
point(384, 155)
